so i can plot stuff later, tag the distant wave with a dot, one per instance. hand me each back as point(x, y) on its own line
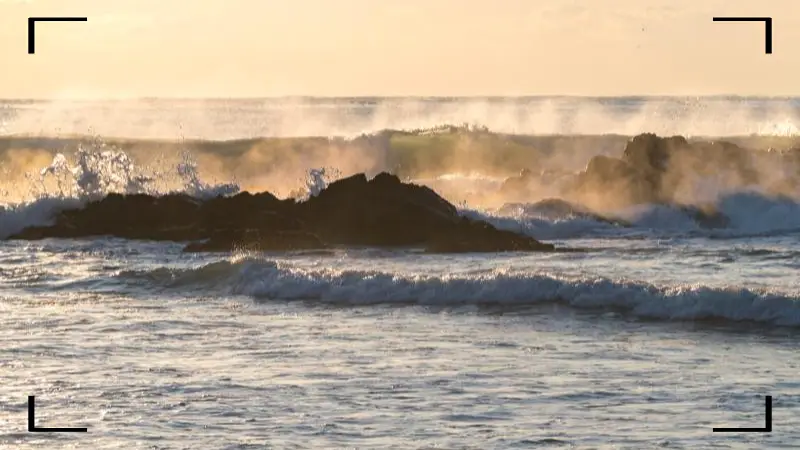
point(411, 152)
point(268, 280)
point(307, 116)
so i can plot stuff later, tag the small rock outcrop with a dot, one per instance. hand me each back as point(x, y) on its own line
point(354, 211)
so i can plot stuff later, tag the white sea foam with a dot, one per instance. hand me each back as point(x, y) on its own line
point(271, 280)
point(749, 213)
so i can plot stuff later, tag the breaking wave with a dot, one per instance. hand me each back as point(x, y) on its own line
point(461, 163)
point(270, 280)
point(750, 214)
point(308, 116)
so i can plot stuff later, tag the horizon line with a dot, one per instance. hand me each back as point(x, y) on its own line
point(399, 97)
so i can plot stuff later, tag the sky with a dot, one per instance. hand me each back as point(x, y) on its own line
point(263, 48)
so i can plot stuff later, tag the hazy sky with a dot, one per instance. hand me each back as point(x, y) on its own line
point(221, 48)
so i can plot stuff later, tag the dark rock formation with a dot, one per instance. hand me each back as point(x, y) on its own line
point(652, 169)
point(353, 211)
point(612, 183)
point(379, 212)
point(474, 236)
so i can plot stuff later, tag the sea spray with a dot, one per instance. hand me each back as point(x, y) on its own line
point(97, 170)
point(315, 181)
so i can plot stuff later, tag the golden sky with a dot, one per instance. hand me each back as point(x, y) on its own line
point(253, 48)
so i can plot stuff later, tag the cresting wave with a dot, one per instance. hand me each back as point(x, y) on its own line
point(270, 280)
point(750, 214)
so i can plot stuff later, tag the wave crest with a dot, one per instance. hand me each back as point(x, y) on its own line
point(271, 280)
point(737, 215)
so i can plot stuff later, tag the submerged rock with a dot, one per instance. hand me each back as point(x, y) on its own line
point(558, 209)
point(518, 183)
point(353, 211)
point(706, 216)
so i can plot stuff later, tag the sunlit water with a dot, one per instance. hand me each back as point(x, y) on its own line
point(151, 348)
point(649, 337)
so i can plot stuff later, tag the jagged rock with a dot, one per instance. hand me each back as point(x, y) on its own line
point(612, 183)
point(653, 169)
point(650, 154)
point(245, 210)
point(353, 211)
point(380, 212)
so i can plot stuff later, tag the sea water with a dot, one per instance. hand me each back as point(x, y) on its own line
point(651, 336)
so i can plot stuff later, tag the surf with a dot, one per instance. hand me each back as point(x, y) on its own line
point(272, 280)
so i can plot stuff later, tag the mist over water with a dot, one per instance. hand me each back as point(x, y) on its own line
point(294, 147)
point(293, 117)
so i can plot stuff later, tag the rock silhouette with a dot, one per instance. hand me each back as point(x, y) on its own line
point(354, 211)
point(652, 169)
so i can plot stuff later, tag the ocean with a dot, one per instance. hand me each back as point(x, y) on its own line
point(653, 332)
